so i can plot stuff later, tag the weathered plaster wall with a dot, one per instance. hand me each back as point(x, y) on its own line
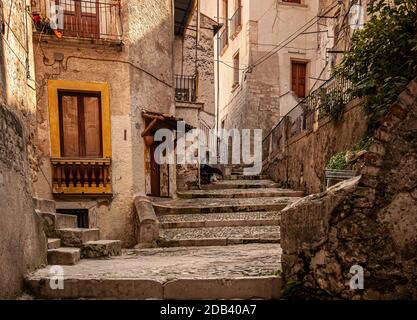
point(187, 52)
point(370, 221)
point(301, 164)
point(137, 81)
point(22, 241)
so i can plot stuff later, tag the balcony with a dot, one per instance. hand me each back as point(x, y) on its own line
point(236, 23)
point(82, 19)
point(81, 176)
point(185, 88)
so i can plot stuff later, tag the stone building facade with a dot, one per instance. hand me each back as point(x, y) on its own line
point(256, 63)
point(122, 62)
point(22, 242)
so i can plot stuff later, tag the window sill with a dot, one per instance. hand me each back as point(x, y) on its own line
point(223, 51)
point(236, 33)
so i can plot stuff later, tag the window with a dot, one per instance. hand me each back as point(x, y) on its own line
point(292, 1)
point(81, 18)
point(226, 12)
point(236, 70)
point(299, 78)
point(80, 124)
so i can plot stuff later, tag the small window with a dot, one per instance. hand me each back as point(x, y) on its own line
point(236, 70)
point(80, 124)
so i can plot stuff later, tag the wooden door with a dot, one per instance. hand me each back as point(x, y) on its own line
point(81, 18)
point(299, 78)
point(80, 125)
point(155, 173)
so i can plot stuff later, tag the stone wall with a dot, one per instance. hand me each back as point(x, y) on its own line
point(369, 221)
point(22, 241)
point(302, 162)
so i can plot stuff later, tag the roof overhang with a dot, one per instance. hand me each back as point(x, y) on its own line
point(184, 10)
point(158, 121)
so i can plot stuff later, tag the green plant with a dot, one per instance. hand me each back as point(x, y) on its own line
point(332, 103)
point(338, 161)
point(383, 56)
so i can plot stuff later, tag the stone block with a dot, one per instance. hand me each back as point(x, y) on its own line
point(76, 237)
point(54, 243)
point(64, 256)
point(101, 248)
point(63, 221)
point(233, 288)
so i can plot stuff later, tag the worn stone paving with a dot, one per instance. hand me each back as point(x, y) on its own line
point(163, 264)
point(262, 215)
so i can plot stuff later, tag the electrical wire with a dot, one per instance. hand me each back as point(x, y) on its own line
point(292, 37)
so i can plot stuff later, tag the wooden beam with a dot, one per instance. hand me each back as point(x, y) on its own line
point(149, 127)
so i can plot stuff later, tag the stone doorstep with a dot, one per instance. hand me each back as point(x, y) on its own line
point(63, 221)
point(64, 256)
point(54, 243)
point(265, 287)
point(209, 242)
point(76, 237)
point(220, 223)
point(101, 248)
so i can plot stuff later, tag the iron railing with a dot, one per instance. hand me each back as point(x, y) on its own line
point(224, 38)
point(302, 116)
point(236, 22)
point(93, 19)
point(185, 88)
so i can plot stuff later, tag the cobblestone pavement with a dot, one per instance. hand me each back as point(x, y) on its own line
point(164, 264)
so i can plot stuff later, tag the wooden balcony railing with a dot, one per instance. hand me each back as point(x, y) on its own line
point(81, 176)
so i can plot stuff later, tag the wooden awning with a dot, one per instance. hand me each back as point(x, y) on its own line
point(161, 121)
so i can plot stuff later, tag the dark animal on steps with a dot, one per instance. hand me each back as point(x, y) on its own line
point(207, 172)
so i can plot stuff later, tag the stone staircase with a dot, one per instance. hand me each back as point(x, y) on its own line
point(237, 210)
point(67, 243)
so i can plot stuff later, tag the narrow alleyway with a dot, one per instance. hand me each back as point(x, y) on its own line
point(215, 243)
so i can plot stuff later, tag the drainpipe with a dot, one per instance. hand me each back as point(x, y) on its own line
point(218, 82)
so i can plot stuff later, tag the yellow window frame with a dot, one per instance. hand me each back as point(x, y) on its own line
point(103, 88)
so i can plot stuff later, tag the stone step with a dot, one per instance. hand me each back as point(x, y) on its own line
point(224, 216)
point(63, 221)
point(76, 237)
point(219, 272)
point(240, 193)
point(220, 223)
point(64, 256)
point(240, 184)
point(101, 248)
point(54, 243)
point(242, 288)
point(244, 177)
point(218, 236)
point(218, 205)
